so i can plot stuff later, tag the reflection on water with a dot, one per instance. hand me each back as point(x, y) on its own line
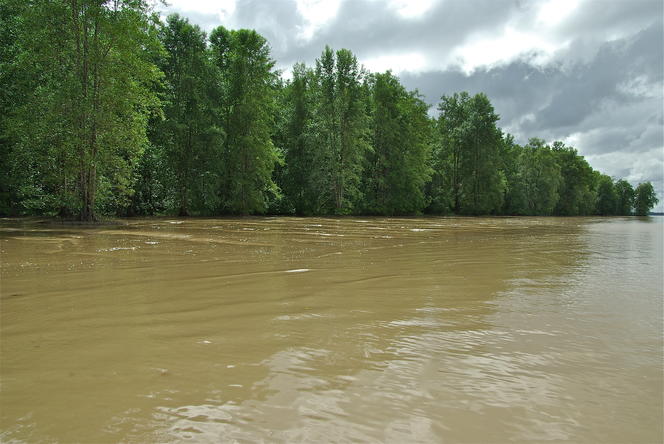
point(291, 330)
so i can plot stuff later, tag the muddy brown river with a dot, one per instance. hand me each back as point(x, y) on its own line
point(401, 330)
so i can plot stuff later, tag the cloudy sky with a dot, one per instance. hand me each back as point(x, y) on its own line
point(587, 72)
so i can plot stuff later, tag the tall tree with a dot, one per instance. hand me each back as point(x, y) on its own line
point(190, 134)
point(625, 198)
point(607, 199)
point(339, 130)
point(11, 95)
point(576, 189)
point(541, 178)
point(398, 164)
point(515, 200)
point(300, 152)
point(645, 199)
point(469, 150)
point(247, 81)
point(449, 149)
point(83, 125)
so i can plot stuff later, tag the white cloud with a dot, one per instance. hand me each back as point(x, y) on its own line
point(411, 9)
point(554, 12)
point(398, 63)
point(490, 50)
point(224, 9)
point(316, 13)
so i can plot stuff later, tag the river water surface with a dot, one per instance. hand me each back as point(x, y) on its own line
point(332, 330)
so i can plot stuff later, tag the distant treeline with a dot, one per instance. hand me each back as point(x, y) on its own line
point(106, 110)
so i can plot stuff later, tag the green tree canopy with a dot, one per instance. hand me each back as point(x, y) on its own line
point(625, 198)
point(397, 168)
point(607, 198)
point(645, 199)
point(247, 81)
point(190, 134)
point(577, 196)
point(468, 153)
point(90, 89)
point(541, 177)
point(104, 109)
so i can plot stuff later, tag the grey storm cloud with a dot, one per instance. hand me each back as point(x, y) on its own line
point(621, 83)
point(601, 90)
point(367, 28)
point(607, 77)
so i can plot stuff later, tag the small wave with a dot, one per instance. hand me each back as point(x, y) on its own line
point(101, 250)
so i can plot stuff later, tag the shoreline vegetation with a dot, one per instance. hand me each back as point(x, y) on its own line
point(107, 111)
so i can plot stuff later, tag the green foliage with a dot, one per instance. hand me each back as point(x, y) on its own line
point(468, 154)
point(247, 82)
point(88, 86)
point(340, 130)
point(397, 167)
point(577, 195)
point(607, 198)
point(645, 199)
point(151, 194)
point(189, 137)
point(11, 92)
point(541, 178)
point(327, 136)
point(625, 198)
point(515, 200)
point(299, 175)
point(106, 110)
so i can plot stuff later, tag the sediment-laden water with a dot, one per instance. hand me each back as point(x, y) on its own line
point(332, 330)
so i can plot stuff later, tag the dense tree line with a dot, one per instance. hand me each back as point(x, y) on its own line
point(107, 110)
